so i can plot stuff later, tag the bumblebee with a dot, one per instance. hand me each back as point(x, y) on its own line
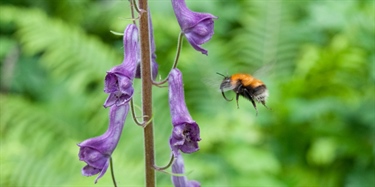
point(247, 86)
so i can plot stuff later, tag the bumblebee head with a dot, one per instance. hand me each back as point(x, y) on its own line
point(226, 83)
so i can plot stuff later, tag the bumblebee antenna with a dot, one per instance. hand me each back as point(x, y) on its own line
point(220, 74)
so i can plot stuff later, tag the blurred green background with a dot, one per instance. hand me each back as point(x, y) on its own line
point(320, 131)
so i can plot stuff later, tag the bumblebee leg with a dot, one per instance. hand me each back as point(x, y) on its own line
point(237, 96)
point(255, 105)
point(238, 90)
point(250, 97)
point(264, 104)
point(222, 92)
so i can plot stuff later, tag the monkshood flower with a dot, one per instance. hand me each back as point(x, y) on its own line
point(97, 151)
point(179, 168)
point(154, 64)
point(119, 80)
point(185, 134)
point(197, 27)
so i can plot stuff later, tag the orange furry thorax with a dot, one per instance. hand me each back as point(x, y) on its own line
point(246, 80)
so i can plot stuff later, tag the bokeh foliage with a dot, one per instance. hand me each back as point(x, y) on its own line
point(320, 131)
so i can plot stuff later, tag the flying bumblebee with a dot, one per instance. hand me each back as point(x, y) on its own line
point(247, 86)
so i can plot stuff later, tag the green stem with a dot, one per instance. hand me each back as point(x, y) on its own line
point(147, 93)
point(112, 172)
point(157, 168)
point(132, 4)
point(133, 114)
point(179, 46)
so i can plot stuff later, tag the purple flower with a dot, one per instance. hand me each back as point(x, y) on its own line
point(119, 80)
point(197, 27)
point(181, 181)
point(154, 64)
point(185, 134)
point(97, 151)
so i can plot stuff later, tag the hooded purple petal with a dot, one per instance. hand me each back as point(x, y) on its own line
point(154, 64)
point(197, 27)
point(185, 134)
point(179, 168)
point(119, 87)
point(97, 151)
point(119, 80)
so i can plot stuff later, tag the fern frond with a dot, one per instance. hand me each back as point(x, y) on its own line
point(265, 36)
point(67, 52)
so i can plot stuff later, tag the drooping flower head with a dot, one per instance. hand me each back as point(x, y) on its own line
point(178, 167)
point(197, 27)
point(185, 134)
point(97, 151)
point(154, 64)
point(119, 80)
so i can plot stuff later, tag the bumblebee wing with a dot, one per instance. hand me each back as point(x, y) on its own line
point(214, 82)
point(265, 70)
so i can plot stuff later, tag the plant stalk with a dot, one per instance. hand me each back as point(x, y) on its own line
point(147, 93)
